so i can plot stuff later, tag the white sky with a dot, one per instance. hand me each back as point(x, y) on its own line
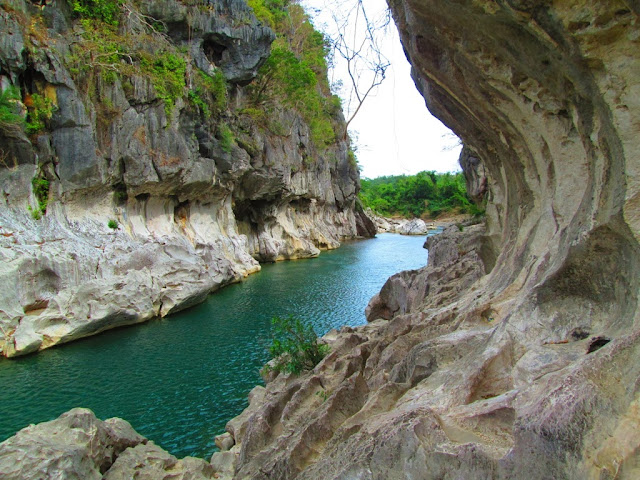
point(395, 132)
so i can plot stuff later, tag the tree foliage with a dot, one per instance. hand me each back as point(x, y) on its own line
point(106, 10)
point(295, 346)
point(415, 195)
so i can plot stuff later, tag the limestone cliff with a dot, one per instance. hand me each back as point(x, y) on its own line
point(147, 175)
point(515, 353)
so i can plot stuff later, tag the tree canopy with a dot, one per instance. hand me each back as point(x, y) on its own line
point(426, 193)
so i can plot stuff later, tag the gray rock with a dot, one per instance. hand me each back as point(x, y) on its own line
point(415, 226)
point(227, 36)
point(515, 353)
point(150, 462)
point(224, 442)
point(365, 226)
point(74, 446)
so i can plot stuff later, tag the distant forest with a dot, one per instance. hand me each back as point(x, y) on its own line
point(424, 194)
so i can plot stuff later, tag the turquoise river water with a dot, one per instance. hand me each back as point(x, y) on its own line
point(178, 380)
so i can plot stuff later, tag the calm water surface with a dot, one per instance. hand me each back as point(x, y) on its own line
point(180, 379)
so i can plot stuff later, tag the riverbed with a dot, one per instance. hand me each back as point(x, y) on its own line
point(178, 380)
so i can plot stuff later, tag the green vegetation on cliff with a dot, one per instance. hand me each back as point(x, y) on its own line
point(416, 195)
point(296, 72)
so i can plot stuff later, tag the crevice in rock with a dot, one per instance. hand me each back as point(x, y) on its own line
point(597, 343)
point(214, 49)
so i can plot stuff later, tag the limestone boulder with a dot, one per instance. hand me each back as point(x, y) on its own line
point(150, 462)
point(74, 446)
point(414, 226)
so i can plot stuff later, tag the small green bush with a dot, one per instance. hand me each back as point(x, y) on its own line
point(295, 346)
point(41, 191)
point(113, 224)
point(209, 92)
point(167, 72)
point(40, 113)
point(226, 137)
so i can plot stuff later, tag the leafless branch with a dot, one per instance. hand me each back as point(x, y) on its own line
point(357, 43)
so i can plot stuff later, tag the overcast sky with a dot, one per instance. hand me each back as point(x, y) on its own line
point(395, 132)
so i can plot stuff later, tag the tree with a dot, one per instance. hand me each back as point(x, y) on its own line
point(356, 43)
point(295, 346)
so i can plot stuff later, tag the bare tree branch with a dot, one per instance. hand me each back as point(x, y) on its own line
point(357, 43)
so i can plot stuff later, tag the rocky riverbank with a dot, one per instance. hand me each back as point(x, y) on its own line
point(417, 226)
point(134, 198)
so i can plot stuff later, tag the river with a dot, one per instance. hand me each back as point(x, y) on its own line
point(178, 380)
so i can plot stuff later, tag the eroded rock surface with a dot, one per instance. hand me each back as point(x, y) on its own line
point(515, 353)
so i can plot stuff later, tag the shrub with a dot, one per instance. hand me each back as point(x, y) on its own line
point(106, 10)
point(41, 191)
point(113, 224)
point(40, 112)
point(9, 116)
point(295, 346)
point(226, 137)
point(167, 71)
point(209, 92)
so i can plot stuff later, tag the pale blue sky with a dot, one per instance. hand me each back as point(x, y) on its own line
point(395, 132)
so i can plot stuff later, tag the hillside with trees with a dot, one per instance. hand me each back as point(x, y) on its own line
point(427, 194)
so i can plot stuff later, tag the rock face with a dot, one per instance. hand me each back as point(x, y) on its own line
point(415, 226)
point(515, 353)
point(403, 226)
point(195, 198)
point(78, 446)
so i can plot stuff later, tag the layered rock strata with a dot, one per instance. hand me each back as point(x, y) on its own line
point(150, 203)
point(515, 353)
